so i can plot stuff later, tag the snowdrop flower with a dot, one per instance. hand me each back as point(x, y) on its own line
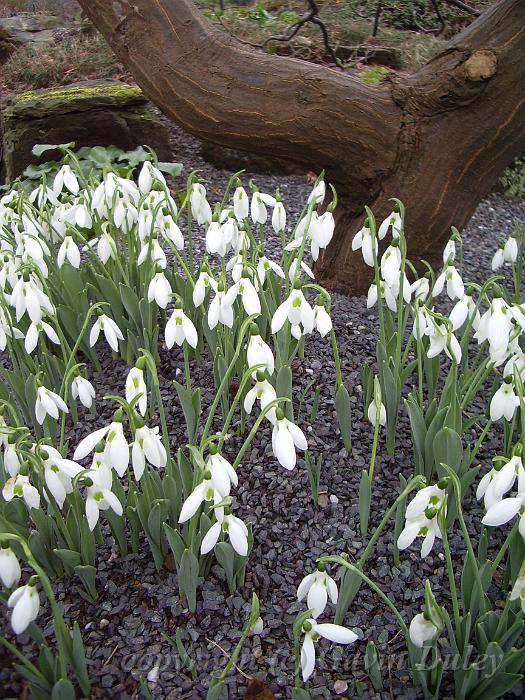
point(279, 217)
point(455, 286)
point(498, 259)
point(322, 321)
point(148, 175)
point(391, 264)
point(286, 436)
point(99, 495)
point(515, 363)
point(386, 294)
point(420, 289)
point(259, 352)
point(230, 525)
point(25, 602)
point(258, 626)
point(241, 204)
point(257, 207)
point(422, 630)
point(421, 518)
point(106, 248)
point(265, 265)
point(317, 588)
point(510, 250)
point(125, 215)
point(33, 332)
point(10, 572)
point(321, 232)
point(65, 177)
point(317, 194)
point(111, 331)
point(136, 386)
point(68, 250)
point(48, 403)
point(151, 250)
point(500, 479)
point(250, 298)
point(495, 326)
point(293, 272)
point(82, 389)
point(19, 487)
point(159, 289)
point(392, 221)
point(263, 392)
point(296, 309)
point(463, 309)
point(42, 195)
point(504, 402)
point(204, 282)
point(449, 252)
point(180, 328)
point(363, 241)
point(200, 209)
point(116, 451)
point(28, 297)
point(58, 473)
point(171, 232)
point(207, 490)
point(223, 475)
point(312, 631)
point(506, 509)
point(443, 339)
point(372, 413)
point(518, 591)
point(215, 242)
point(147, 446)
point(220, 310)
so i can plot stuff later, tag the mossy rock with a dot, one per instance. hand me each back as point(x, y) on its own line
point(91, 113)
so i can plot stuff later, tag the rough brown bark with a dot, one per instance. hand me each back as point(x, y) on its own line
point(437, 139)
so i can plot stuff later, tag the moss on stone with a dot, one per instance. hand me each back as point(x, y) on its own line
point(373, 76)
point(74, 93)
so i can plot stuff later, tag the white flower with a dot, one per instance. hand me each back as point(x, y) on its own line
point(265, 265)
point(215, 240)
point(257, 207)
point(147, 445)
point(25, 602)
point(249, 296)
point(220, 310)
point(420, 288)
point(58, 473)
point(68, 250)
point(111, 331)
point(317, 194)
point(240, 204)
point(294, 271)
point(34, 330)
point(463, 309)
point(263, 392)
point(504, 402)
point(363, 240)
point(372, 413)
point(297, 310)
point(230, 525)
point(67, 177)
point(449, 252)
point(180, 328)
point(259, 352)
point(286, 436)
point(321, 232)
point(318, 586)
point(151, 250)
point(322, 321)
point(171, 232)
point(19, 486)
point(455, 286)
point(204, 282)
point(422, 630)
point(393, 221)
point(518, 591)
point(200, 209)
point(159, 289)
point(279, 217)
point(28, 297)
point(136, 386)
point(504, 510)
point(386, 294)
point(495, 326)
point(207, 490)
point(258, 626)
point(422, 519)
point(82, 389)
point(391, 265)
point(106, 248)
point(10, 572)
point(99, 495)
point(500, 479)
point(510, 250)
point(48, 403)
point(148, 174)
point(443, 339)
point(312, 631)
point(498, 259)
point(116, 451)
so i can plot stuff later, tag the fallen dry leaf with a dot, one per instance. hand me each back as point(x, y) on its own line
point(258, 690)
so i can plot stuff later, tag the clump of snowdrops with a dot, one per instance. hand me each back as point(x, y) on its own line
point(108, 259)
point(98, 260)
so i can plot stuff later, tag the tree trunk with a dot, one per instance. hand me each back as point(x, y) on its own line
point(436, 139)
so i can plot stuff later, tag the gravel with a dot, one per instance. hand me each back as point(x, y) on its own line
point(123, 631)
